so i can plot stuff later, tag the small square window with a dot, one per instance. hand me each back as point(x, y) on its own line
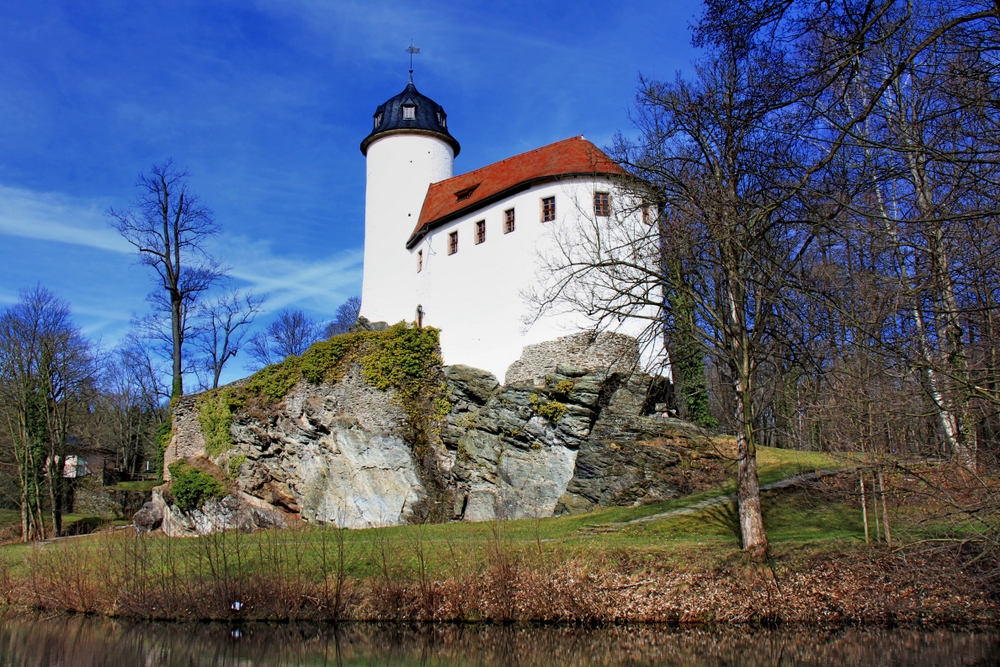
point(420, 261)
point(480, 232)
point(452, 243)
point(548, 209)
point(602, 204)
point(508, 221)
point(409, 112)
point(648, 214)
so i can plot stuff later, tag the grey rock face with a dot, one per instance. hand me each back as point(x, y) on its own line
point(565, 434)
point(335, 453)
point(516, 457)
point(188, 441)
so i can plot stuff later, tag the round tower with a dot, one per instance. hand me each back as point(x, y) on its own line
point(408, 149)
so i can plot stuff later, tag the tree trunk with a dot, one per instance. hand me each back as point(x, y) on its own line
point(885, 511)
point(864, 509)
point(752, 531)
point(748, 495)
point(177, 386)
point(878, 531)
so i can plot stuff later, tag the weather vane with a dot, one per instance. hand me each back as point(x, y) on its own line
point(411, 49)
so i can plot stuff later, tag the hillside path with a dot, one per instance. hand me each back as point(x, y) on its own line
point(794, 480)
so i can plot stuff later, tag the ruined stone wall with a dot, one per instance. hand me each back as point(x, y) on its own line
point(605, 351)
point(187, 441)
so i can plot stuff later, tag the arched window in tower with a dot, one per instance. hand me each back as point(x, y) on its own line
point(409, 112)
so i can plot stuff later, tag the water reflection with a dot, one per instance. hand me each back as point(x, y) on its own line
point(92, 642)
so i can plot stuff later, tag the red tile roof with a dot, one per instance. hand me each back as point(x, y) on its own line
point(451, 198)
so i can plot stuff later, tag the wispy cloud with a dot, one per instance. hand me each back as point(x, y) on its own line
point(47, 216)
point(317, 285)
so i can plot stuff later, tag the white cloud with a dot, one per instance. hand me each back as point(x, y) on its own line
point(319, 285)
point(316, 285)
point(54, 217)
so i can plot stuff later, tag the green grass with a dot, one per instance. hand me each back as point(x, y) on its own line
point(136, 486)
point(792, 518)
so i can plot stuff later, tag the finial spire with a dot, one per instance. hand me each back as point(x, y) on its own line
point(411, 49)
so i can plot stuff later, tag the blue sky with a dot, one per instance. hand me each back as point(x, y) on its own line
point(265, 103)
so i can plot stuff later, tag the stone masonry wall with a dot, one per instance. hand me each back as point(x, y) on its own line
point(187, 441)
point(608, 352)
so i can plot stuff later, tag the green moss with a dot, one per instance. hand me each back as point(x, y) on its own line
point(401, 357)
point(321, 361)
point(275, 381)
point(564, 387)
point(442, 407)
point(551, 410)
point(215, 415)
point(191, 487)
point(234, 464)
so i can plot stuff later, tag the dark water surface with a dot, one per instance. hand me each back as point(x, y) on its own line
point(91, 642)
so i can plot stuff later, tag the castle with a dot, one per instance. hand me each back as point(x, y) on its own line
point(461, 253)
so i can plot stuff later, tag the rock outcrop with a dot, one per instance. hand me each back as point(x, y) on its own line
point(236, 511)
point(572, 443)
point(568, 432)
point(334, 453)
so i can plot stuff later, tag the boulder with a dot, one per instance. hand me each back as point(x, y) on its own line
point(235, 511)
point(149, 517)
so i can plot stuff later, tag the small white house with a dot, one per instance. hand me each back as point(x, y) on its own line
point(460, 253)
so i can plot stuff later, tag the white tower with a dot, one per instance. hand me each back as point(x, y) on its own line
point(409, 148)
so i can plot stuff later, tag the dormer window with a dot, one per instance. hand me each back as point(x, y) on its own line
point(442, 120)
point(465, 193)
point(378, 120)
point(409, 112)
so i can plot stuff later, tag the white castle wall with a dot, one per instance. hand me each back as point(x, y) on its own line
point(399, 169)
point(477, 296)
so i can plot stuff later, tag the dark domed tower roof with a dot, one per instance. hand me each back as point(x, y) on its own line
point(412, 113)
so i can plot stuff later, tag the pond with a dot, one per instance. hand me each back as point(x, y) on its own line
point(28, 640)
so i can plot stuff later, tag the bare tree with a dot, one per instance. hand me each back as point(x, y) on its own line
point(347, 315)
point(223, 325)
point(170, 228)
point(290, 334)
point(130, 405)
point(45, 367)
